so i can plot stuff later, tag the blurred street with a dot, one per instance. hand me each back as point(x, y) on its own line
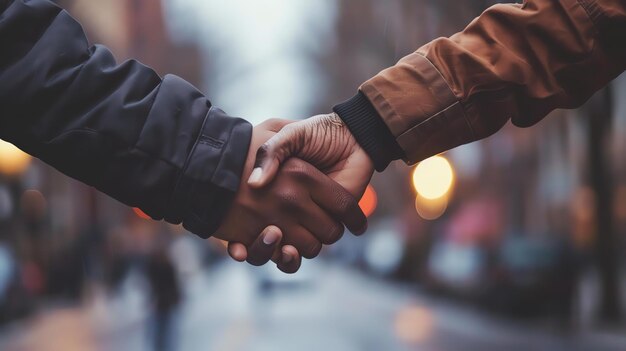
point(345, 311)
point(514, 242)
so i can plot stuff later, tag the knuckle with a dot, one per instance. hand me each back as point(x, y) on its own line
point(296, 169)
point(291, 202)
point(296, 164)
point(289, 197)
point(263, 150)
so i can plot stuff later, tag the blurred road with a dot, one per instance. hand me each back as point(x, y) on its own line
point(231, 309)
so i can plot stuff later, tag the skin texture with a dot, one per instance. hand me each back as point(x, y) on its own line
point(287, 258)
point(308, 207)
point(322, 141)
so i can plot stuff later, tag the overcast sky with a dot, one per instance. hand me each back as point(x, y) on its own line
point(259, 50)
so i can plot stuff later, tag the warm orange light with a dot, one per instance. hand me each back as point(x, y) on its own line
point(431, 209)
point(369, 201)
point(140, 213)
point(13, 161)
point(414, 325)
point(433, 177)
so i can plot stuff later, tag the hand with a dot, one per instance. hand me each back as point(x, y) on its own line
point(266, 247)
point(323, 141)
point(305, 204)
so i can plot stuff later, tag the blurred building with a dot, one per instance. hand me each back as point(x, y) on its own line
point(553, 184)
point(533, 223)
point(136, 29)
point(62, 233)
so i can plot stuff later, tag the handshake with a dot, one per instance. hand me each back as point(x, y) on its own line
point(300, 186)
point(106, 125)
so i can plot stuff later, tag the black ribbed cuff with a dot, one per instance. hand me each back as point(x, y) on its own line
point(369, 130)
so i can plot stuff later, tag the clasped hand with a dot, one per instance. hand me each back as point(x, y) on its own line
point(299, 188)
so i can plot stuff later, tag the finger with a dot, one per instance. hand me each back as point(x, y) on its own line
point(338, 202)
point(262, 249)
point(290, 260)
point(237, 251)
point(276, 124)
point(304, 242)
point(326, 229)
point(266, 166)
point(270, 156)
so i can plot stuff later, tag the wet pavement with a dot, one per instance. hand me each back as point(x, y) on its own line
point(237, 308)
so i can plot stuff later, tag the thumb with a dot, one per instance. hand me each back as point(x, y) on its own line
point(269, 158)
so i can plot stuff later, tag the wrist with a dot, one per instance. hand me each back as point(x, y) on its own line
point(334, 119)
point(369, 130)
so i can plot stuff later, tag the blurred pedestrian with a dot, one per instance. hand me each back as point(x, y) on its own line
point(166, 297)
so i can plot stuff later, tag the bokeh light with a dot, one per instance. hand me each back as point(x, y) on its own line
point(384, 251)
point(433, 177)
point(414, 324)
point(141, 214)
point(369, 201)
point(431, 209)
point(13, 161)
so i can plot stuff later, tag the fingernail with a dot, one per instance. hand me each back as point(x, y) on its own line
point(255, 176)
point(271, 237)
point(286, 257)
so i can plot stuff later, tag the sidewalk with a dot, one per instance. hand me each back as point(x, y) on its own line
point(327, 308)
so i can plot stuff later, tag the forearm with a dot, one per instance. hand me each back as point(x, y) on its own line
point(514, 62)
point(149, 142)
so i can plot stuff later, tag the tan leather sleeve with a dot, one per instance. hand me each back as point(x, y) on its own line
point(515, 61)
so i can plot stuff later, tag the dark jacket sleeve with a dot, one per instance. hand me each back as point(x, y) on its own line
point(151, 143)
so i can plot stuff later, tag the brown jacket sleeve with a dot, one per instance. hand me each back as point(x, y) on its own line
point(515, 61)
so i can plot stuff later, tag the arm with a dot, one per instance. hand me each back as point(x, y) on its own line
point(153, 143)
point(515, 62)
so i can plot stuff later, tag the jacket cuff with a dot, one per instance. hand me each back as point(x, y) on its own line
point(204, 194)
point(369, 130)
point(419, 108)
